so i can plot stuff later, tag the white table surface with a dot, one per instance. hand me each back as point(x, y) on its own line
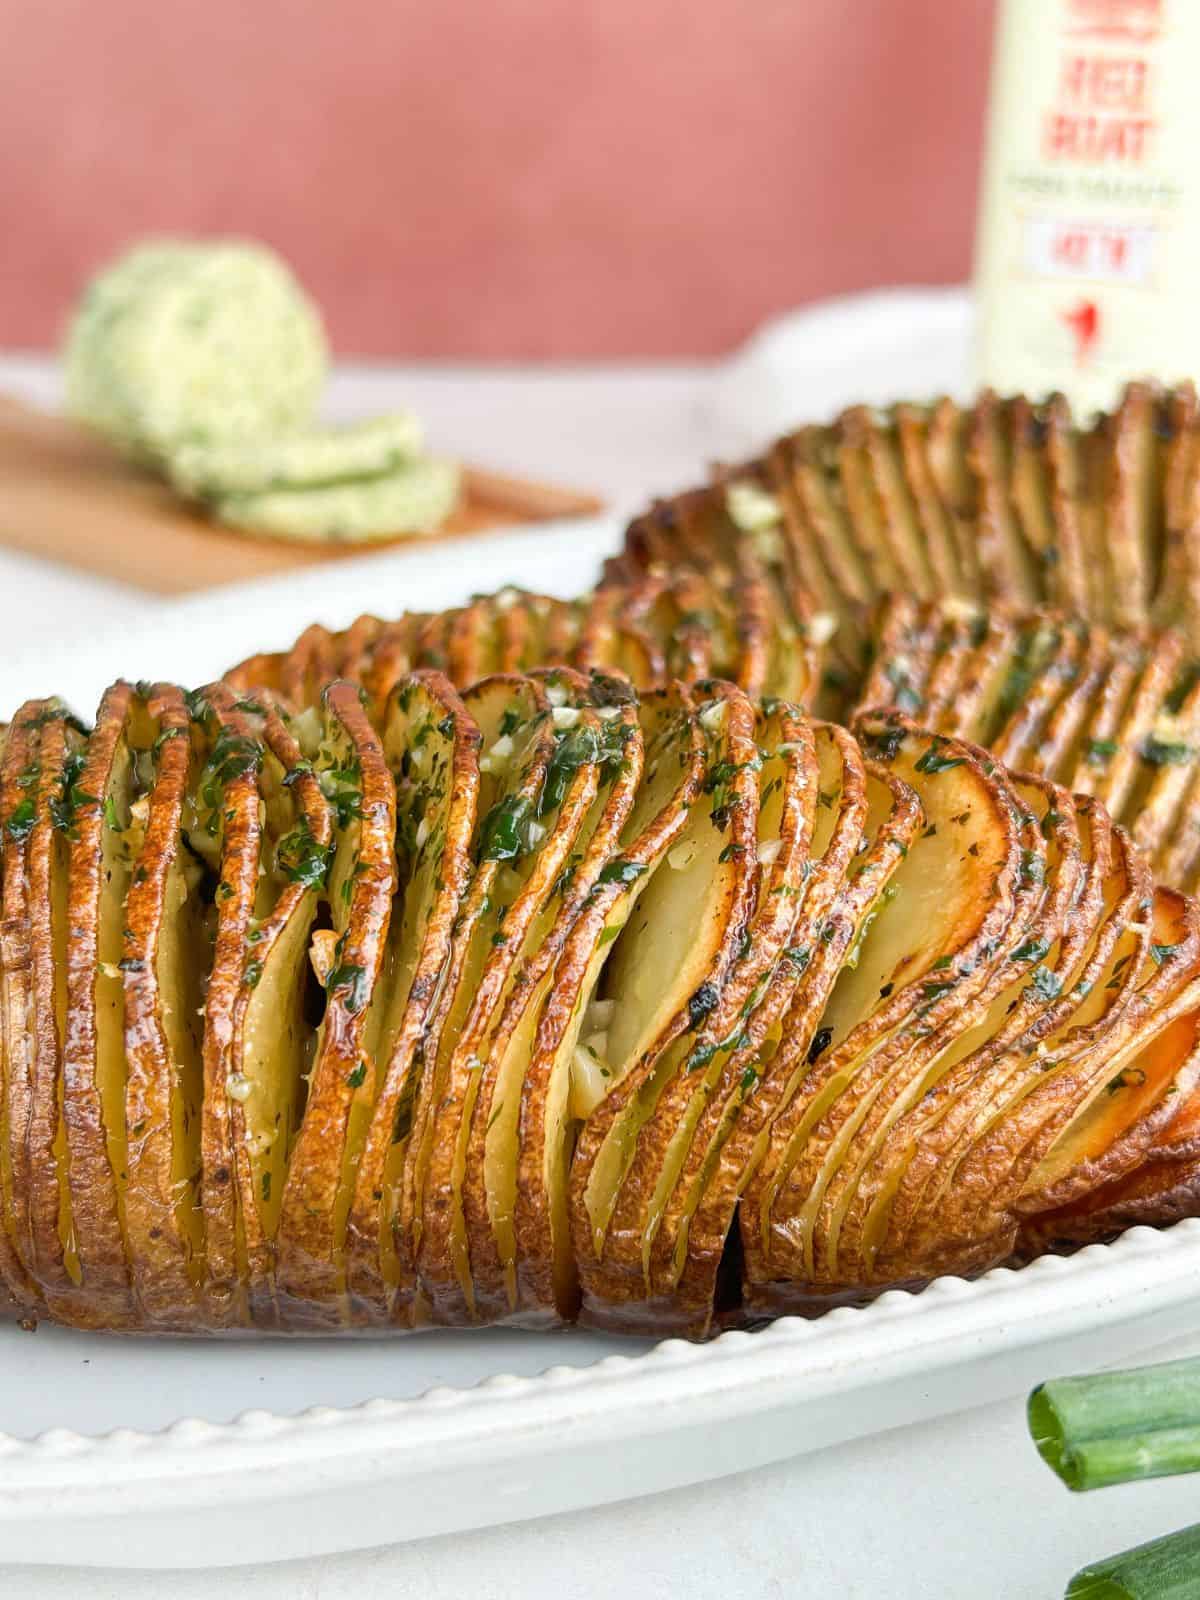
point(955, 1508)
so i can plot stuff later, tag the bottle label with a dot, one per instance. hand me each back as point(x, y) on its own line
point(1089, 239)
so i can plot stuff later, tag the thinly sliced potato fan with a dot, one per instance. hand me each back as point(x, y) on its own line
point(800, 913)
point(222, 826)
point(1005, 500)
point(553, 1002)
point(787, 769)
point(41, 754)
point(926, 964)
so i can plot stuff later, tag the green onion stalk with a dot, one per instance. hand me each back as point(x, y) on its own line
point(1118, 1427)
point(1115, 1427)
point(1164, 1569)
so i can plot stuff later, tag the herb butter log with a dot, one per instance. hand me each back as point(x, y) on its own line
point(183, 343)
point(332, 1009)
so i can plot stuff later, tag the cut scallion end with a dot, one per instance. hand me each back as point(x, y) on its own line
point(1164, 1569)
point(1115, 1427)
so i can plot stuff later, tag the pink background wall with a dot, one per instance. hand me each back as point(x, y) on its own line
point(500, 178)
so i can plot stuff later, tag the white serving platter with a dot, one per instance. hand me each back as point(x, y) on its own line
point(135, 1452)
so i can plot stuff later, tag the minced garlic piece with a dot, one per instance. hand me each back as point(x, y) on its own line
point(750, 508)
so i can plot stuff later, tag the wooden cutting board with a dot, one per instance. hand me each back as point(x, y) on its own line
point(67, 496)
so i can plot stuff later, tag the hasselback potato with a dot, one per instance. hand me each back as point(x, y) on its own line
point(803, 912)
point(547, 1001)
point(1004, 500)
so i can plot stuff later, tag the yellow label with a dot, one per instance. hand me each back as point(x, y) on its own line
point(1088, 253)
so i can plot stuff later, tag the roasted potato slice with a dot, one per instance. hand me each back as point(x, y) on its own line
point(17, 1293)
point(516, 860)
point(671, 966)
point(1009, 568)
point(472, 645)
point(688, 624)
point(612, 635)
point(926, 962)
point(1135, 505)
point(308, 667)
point(905, 637)
point(166, 959)
point(389, 660)
point(38, 1260)
point(879, 820)
point(432, 748)
point(238, 819)
point(1145, 738)
point(1029, 492)
point(55, 1263)
point(263, 670)
point(878, 498)
point(220, 825)
point(1052, 662)
point(788, 798)
point(348, 959)
point(1058, 1104)
point(950, 579)
point(569, 1068)
point(598, 759)
point(863, 823)
point(1161, 1190)
point(1044, 940)
point(820, 495)
point(278, 871)
point(949, 1203)
point(1177, 595)
point(1120, 1098)
point(803, 573)
point(94, 1070)
point(18, 811)
point(947, 452)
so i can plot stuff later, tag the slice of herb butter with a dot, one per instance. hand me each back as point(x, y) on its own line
point(297, 460)
point(415, 498)
point(182, 343)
